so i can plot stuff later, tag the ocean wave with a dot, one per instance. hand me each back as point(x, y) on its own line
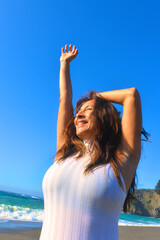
point(128, 223)
point(9, 212)
point(137, 220)
point(35, 197)
point(20, 213)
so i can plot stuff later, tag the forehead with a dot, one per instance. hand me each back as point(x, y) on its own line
point(88, 103)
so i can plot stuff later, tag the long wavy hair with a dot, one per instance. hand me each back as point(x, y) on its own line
point(104, 142)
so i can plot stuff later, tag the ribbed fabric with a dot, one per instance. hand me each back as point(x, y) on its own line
point(81, 207)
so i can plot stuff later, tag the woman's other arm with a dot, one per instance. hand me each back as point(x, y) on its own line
point(130, 145)
point(131, 118)
point(65, 112)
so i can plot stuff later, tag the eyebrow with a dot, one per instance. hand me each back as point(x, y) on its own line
point(80, 107)
point(86, 106)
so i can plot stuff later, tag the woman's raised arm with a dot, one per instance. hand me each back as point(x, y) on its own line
point(65, 112)
point(131, 118)
point(130, 145)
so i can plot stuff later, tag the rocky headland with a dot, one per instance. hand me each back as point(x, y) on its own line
point(147, 203)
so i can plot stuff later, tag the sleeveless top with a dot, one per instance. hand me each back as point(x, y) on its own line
point(78, 206)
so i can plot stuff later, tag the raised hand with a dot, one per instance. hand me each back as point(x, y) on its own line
point(68, 56)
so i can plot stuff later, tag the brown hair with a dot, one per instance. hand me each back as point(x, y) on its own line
point(104, 142)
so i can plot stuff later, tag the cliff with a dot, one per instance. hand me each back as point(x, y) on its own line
point(147, 203)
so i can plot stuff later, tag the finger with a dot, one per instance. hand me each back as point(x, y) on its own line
point(70, 47)
point(76, 52)
point(74, 48)
point(62, 49)
point(66, 48)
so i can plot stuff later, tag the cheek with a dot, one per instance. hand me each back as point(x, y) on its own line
point(75, 119)
point(92, 121)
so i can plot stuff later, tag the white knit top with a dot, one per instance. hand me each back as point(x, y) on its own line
point(81, 207)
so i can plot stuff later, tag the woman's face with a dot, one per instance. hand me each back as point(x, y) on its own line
point(85, 120)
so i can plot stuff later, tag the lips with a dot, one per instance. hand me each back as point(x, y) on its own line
point(80, 123)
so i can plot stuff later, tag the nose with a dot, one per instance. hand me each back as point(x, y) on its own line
point(80, 114)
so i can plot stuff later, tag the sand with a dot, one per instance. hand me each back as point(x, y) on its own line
point(29, 234)
point(139, 233)
point(125, 233)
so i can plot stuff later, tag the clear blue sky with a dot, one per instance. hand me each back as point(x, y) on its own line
point(118, 44)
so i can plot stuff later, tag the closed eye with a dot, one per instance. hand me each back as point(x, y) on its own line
point(88, 108)
point(85, 109)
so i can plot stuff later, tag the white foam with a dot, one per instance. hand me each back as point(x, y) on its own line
point(130, 223)
point(20, 213)
point(34, 197)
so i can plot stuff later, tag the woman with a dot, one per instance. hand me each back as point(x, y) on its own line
point(92, 177)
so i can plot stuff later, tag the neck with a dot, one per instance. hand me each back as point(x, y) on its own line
point(87, 143)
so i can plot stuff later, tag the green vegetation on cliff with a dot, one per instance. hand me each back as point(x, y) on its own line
point(157, 188)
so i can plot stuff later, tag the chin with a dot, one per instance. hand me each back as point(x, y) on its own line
point(82, 135)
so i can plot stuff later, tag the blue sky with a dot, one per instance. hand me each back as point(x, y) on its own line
point(118, 44)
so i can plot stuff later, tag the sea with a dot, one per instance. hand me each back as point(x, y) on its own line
point(29, 210)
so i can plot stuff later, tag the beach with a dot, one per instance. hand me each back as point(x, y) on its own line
point(125, 233)
point(23, 220)
point(139, 233)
